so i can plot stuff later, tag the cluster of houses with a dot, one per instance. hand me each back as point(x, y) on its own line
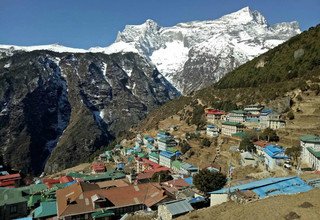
point(274, 156)
point(109, 193)
point(102, 195)
point(271, 155)
point(159, 153)
point(105, 193)
point(236, 121)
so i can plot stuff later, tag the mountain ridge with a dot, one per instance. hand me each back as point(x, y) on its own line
point(192, 55)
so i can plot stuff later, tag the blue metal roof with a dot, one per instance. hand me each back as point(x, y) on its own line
point(275, 151)
point(197, 199)
point(189, 180)
point(167, 154)
point(271, 186)
point(266, 111)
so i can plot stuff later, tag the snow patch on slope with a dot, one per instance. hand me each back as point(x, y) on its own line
point(170, 59)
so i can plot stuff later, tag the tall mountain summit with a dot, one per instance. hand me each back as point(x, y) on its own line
point(196, 54)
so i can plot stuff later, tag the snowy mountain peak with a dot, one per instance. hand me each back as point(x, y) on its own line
point(133, 32)
point(245, 15)
point(194, 54)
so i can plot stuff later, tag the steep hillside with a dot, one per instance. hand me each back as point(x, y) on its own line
point(267, 79)
point(56, 109)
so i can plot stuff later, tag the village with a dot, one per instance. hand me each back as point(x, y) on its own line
point(153, 174)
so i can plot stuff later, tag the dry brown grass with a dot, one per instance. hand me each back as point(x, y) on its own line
point(277, 207)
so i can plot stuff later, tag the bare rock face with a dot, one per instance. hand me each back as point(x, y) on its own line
point(56, 109)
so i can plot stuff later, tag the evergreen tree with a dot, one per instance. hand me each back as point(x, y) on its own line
point(207, 181)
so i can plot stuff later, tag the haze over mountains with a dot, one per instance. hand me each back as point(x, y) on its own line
point(58, 104)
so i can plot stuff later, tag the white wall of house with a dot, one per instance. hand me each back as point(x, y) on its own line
point(164, 161)
point(308, 157)
point(162, 146)
point(163, 213)
point(217, 199)
point(230, 129)
point(237, 118)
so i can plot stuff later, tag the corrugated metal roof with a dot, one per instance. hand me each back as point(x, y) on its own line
point(271, 186)
point(310, 138)
point(189, 180)
point(313, 152)
point(178, 207)
point(274, 151)
point(231, 123)
point(167, 154)
point(46, 209)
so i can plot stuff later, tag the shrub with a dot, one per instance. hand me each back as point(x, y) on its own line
point(290, 115)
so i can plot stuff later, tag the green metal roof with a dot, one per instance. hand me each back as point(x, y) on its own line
point(240, 134)
point(76, 175)
point(231, 123)
point(11, 196)
point(154, 154)
point(238, 111)
point(102, 213)
point(46, 209)
point(314, 153)
point(142, 155)
point(310, 139)
point(33, 199)
point(172, 149)
point(176, 164)
point(34, 188)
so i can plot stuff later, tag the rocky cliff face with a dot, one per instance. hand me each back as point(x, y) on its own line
point(196, 54)
point(56, 109)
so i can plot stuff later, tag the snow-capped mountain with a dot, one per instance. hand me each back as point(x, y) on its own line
point(195, 54)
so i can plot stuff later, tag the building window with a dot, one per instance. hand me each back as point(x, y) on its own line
point(13, 209)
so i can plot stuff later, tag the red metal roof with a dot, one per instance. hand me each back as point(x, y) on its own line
point(158, 169)
point(98, 166)
point(65, 179)
point(214, 112)
point(177, 183)
point(151, 163)
point(10, 177)
point(7, 183)
point(50, 181)
point(261, 143)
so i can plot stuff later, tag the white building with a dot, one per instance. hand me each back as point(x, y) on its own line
point(237, 116)
point(310, 154)
point(166, 158)
point(229, 128)
point(212, 131)
point(274, 156)
point(253, 109)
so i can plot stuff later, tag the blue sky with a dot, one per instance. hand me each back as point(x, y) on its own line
point(88, 23)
